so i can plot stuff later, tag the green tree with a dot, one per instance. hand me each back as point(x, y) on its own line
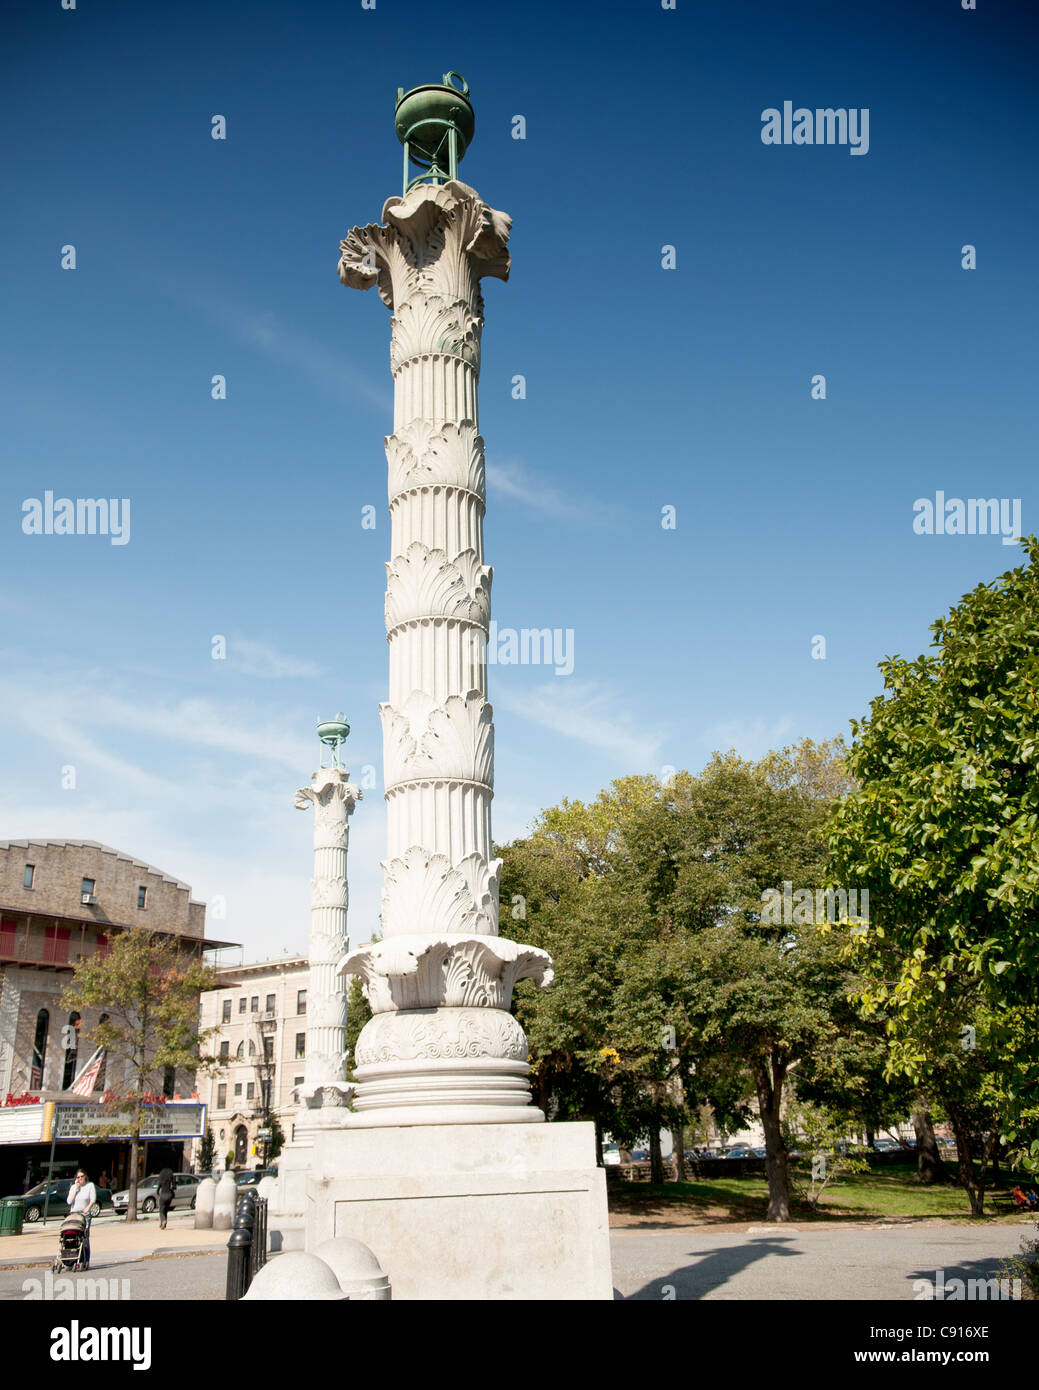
point(149, 987)
point(671, 991)
point(358, 1012)
point(943, 828)
point(277, 1139)
point(820, 1135)
point(206, 1151)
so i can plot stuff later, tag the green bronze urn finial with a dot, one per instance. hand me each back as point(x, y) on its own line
point(333, 734)
point(435, 124)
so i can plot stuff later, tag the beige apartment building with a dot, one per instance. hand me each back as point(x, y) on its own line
point(260, 1012)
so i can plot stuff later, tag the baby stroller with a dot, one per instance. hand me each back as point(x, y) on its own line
point(72, 1239)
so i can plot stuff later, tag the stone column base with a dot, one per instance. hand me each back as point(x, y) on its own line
point(494, 1211)
point(442, 1066)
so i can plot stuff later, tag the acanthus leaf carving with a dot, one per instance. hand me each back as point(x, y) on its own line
point(425, 892)
point(424, 583)
point(422, 454)
point(452, 741)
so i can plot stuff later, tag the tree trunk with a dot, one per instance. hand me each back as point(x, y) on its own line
point(871, 1135)
point(929, 1166)
point(131, 1202)
point(656, 1158)
point(972, 1183)
point(678, 1155)
point(598, 1142)
point(769, 1085)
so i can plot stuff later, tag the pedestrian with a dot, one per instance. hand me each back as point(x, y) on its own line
point(82, 1197)
point(30, 1176)
point(103, 1179)
point(165, 1195)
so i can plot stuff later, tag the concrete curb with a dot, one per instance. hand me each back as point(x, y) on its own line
point(124, 1256)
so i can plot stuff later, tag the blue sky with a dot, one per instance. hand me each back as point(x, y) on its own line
point(646, 388)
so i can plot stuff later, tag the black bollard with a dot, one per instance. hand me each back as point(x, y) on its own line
point(240, 1249)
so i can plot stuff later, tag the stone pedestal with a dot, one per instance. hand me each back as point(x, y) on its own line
point(481, 1211)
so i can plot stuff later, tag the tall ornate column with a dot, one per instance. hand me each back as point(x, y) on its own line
point(442, 1046)
point(333, 797)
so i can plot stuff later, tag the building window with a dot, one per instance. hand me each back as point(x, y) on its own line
point(241, 1005)
point(225, 1048)
point(240, 1049)
point(71, 1051)
point(301, 1001)
point(227, 1011)
point(250, 1091)
point(297, 1081)
point(269, 1006)
point(238, 1088)
point(268, 1048)
point(39, 1050)
point(254, 1004)
point(88, 886)
point(142, 896)
point(30, 873)
point(221, 1097)
point(169, 1082)
point(301, 1044)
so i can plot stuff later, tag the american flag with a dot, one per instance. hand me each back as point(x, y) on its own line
point(86, 1081)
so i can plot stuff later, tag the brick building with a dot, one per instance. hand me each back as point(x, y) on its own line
point(61, 900)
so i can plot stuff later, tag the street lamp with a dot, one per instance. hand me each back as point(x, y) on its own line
point(265, 1070)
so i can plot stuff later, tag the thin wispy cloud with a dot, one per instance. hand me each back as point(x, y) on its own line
point(587, 714)
point(75, 710)
point(263, 331)
point(511, 478)
point(256, 659)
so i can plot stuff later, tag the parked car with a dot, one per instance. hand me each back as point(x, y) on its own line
point(738, 1151)
point(759, 1153)
point(251, 1176)
point(184, 1192)
point(54, 1195)
point(640, 1155)
point(884, 1146)
point(610, 1155)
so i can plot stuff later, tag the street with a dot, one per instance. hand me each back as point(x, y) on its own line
point(687, 1264)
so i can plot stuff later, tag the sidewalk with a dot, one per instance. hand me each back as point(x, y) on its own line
point(114, 1237)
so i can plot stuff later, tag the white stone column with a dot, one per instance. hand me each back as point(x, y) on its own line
point(333, 797)
point(442, 1046)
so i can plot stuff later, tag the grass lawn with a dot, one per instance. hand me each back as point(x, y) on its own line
point(885, 1193)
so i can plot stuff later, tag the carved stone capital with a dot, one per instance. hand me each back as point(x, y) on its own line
point(332, 795)
point(439, 239)
point(421, 970)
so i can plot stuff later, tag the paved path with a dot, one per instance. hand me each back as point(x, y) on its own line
point(697, 1263)
point(807, 1264)
point(111, 1237)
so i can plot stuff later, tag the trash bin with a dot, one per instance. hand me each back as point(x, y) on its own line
point(12, 1211)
